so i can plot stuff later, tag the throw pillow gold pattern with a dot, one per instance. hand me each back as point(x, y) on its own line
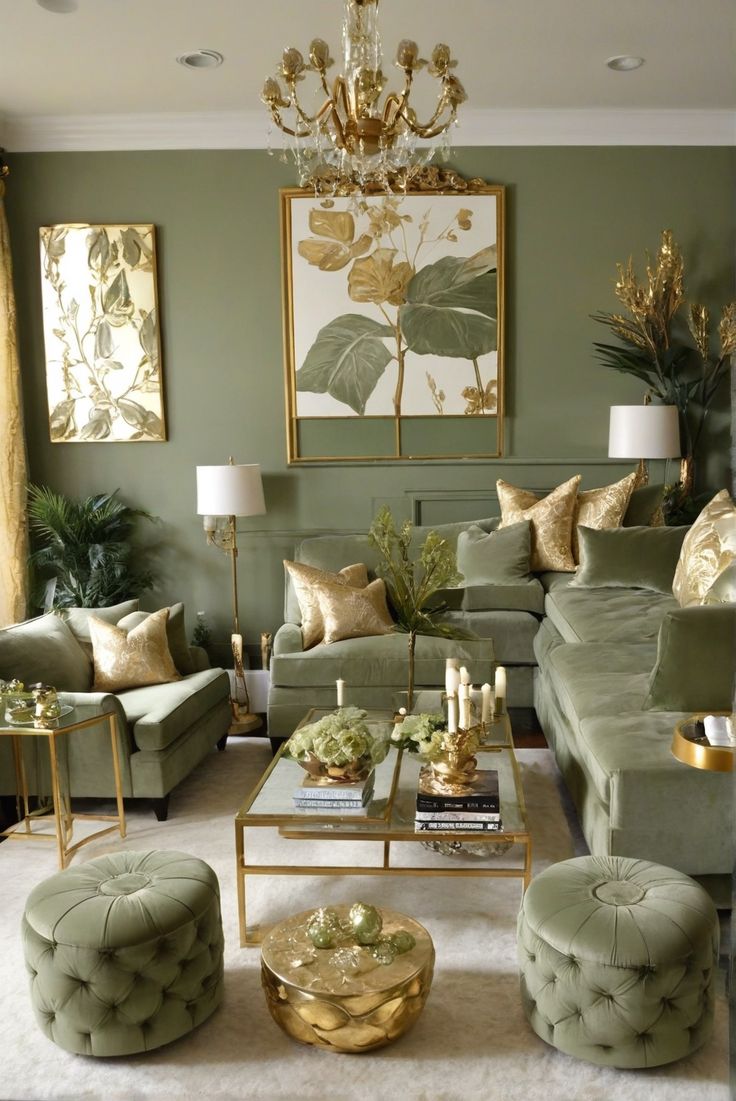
point(132, 659)
point(550, 518)
point(304, 579)
point(353, 613)
point(707, 552)
point(602, 508)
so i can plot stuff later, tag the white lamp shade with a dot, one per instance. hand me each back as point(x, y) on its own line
point(232, 490)
point(644, 432)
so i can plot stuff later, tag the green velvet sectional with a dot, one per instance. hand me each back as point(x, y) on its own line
point(164, 730)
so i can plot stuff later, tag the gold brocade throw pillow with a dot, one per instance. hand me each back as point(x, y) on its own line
point(305, 578)
point(708, 551)
point(602, 508)
point(550, 518)
point(353, 613)
point(131, 659)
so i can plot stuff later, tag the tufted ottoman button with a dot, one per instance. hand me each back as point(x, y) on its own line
point(576, 948)
point(127, 907)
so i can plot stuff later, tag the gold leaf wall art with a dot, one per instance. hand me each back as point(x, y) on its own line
point(101, 333)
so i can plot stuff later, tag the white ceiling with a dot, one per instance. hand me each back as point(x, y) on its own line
point(110, 66)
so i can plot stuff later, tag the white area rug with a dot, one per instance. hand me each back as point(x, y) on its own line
point(471, 1043)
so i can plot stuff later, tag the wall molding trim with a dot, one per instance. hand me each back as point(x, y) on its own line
point(479, 127)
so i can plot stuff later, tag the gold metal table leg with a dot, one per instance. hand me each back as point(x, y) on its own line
point(116, 769)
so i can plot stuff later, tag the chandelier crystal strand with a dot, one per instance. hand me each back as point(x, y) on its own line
point(356, 138)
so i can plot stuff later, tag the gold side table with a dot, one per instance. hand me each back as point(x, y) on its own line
point(690, 745)
point(60, 814)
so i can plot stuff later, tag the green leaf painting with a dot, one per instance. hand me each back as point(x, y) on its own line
point(103, 364)
point(420, 334)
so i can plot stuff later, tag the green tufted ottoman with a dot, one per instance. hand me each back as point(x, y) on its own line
point(617, 958)
point(124, 952)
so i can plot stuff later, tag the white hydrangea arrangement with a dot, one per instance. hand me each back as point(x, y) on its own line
point(423, 734)
point(338, 739)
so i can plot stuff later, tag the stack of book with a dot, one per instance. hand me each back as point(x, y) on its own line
point(478, 810)
point(312, 797)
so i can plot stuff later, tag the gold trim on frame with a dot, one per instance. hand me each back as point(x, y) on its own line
point(714, 758)
point(426, 184)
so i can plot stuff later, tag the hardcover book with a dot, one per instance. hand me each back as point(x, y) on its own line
point(329, 793)
point(463, 826)
point(482, 794)
point(457, 816)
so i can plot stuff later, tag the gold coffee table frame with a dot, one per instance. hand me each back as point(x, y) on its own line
point(389, 818)
point(61, 813)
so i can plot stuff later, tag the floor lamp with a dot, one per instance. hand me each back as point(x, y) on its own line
point(224, 493)
point(644, 432)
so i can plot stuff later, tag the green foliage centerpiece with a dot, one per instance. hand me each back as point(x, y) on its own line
point(339, 748)
point(413, 585)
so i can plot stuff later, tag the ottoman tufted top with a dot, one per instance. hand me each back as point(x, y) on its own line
point(618, 911)
point(121, 899)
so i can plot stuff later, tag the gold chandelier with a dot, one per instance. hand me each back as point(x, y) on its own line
point(351, 137)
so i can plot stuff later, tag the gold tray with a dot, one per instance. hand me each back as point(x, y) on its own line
point(696, 753)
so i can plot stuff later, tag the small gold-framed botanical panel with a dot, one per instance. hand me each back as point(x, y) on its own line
point(101, 333)
point(393, 324)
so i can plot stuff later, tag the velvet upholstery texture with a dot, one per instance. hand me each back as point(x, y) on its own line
point(494, 558)
point(637, 558)
point(696, 659)
point(44, 649)
point(617, 959)
point(643, 506)
point(125, 952)
point(77, 619)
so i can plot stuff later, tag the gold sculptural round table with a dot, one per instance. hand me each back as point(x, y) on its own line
point(342, 998)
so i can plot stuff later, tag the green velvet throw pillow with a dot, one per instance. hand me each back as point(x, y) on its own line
point(496, 558)
point(45, 649)
point(696, 657)
point(643, 503)
point(77, 619)
point(632, 558)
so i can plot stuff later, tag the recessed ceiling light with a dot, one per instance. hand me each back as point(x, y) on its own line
point(201, 59)
point(624, 63)
point(61, 7)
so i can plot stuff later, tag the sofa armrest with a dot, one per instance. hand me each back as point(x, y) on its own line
point(696, 657)
point(288, 640)
point(89, 704)
point(200, 659)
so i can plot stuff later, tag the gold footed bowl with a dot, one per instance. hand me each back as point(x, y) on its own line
point(351, 773)
point(343, 999)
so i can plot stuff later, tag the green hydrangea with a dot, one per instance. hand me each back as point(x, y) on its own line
point(422, 734)
point(339, 738)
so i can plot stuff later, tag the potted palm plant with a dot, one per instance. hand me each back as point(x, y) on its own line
point(83, 547)
point(414, 584)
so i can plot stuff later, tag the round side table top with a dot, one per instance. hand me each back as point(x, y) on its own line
point(691, 746)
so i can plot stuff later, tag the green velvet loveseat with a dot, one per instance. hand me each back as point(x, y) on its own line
point(164, 730)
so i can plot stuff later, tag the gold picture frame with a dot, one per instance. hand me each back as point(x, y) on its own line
point(101, 333)
point(394, 324)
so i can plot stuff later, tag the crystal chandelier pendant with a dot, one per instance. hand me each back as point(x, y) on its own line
point(359, 136)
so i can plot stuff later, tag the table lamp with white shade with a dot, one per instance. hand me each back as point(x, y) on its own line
point(644, 432)
point(224, 493)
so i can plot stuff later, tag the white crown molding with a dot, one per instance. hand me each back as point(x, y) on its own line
point(249, 129)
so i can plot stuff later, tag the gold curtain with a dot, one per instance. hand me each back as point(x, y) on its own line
point(13, 526)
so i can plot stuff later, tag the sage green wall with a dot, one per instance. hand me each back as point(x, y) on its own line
point(572, 213)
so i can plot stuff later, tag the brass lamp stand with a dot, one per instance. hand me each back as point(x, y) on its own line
point(224, 493)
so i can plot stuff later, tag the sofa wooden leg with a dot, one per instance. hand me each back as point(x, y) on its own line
point(222, 743)
point(161, 808)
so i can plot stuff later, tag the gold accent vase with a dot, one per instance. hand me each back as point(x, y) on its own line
point(453, 771)
point(351, 773)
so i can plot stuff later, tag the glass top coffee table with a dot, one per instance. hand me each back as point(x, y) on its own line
point(388, 819)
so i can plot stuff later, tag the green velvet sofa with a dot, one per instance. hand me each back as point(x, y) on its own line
point(375, 670)
point(164, 730)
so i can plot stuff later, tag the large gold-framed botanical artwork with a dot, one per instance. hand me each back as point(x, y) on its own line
point(393, 324)
point(101, 333)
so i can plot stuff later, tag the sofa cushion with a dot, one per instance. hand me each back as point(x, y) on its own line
point(131, 659)
point(158, 714)
point(640, 558)
point(522, 596)
point(494, 558)
point(696, 658)
point(381, 661)
point(550, 518)
point(644, 505)
point(707, 552)
point(512, 632)
point(77, 619)
point(176, 634)
point(607, 615)
point(44, 649)
point(601, 508)
point(306, 581)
